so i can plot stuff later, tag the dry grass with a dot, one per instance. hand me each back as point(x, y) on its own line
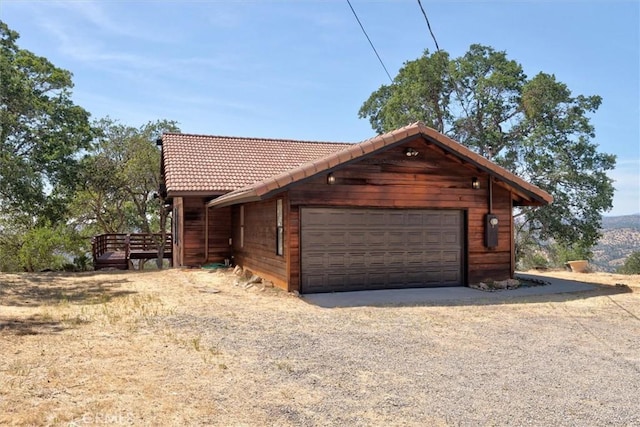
point(160, 348)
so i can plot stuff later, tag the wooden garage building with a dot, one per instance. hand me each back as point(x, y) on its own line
point(411, 208)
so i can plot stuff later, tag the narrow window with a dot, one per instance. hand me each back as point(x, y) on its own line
point(242, 226)
point(176, 225)
point(279, 228)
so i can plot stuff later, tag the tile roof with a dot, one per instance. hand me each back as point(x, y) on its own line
point(219, 164)
point(279, 182)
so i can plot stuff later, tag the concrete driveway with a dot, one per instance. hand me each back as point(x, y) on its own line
point(436, 296)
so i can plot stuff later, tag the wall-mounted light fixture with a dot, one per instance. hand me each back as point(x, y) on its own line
point(411, 152)
point(475, 184)
point(331, 179)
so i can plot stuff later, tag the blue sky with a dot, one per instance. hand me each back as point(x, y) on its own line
point(301, 69)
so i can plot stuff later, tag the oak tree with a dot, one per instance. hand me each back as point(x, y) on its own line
point(41, 131)
point(534, 127)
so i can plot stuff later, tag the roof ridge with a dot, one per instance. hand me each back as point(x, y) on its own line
point(242, 138)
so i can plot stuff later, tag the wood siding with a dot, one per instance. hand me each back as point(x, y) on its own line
point(258, 251)
point(430, 180)
point(218, 234)
point(193, 234)
point(177, 219)
point(390, 179)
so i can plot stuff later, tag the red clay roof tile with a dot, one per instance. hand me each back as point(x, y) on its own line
point(220, 164)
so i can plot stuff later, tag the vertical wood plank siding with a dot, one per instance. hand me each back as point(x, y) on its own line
point(219, 234)
point(193, 231)
point(259, 250)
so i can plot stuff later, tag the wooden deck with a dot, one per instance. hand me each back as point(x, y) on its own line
point(117, 250)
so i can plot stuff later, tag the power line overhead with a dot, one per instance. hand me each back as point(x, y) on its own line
point(429, 26)
point(370, 42)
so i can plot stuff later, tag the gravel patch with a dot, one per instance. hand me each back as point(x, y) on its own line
point(570, 362)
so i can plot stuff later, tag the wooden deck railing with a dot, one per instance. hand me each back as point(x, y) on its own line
point(115, 250)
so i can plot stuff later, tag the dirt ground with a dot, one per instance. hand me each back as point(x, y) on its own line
point(188, 347)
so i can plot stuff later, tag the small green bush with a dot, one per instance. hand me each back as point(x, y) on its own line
point(631, 264)
point(533, 260)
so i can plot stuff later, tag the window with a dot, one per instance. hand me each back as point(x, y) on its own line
point(176, 225)
point(242, 226)
point(279, 228)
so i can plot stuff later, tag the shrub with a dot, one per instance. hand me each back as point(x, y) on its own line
point(631, 264)
point(46, 248)
point(533, 260)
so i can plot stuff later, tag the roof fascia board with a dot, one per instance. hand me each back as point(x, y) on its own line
point(234, 199)
point(171, 194)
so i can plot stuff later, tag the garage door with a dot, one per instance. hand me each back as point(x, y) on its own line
point(357, 249)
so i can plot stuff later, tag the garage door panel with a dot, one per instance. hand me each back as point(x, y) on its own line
point(433, 238)
point(376, 259)
point(352, 249)
point(450, 257)
point(337, 260)
point(314, 260)
point(376, 219)
point(415, 278)
point(356, 260)
point(432, 258)
point(415, 258)
point(395, 219)
point(376, 239)
point(396, 239)
point(415, 239)
point(395, 259)
point(432, 219)
point(415, 219)
point(396, 276)
point(379, 279)
point(357, 239)
point(449, 238)
point(451, 219)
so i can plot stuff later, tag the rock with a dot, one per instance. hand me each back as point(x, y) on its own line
point(481, 286)
point(579, 266)
point(254, 279)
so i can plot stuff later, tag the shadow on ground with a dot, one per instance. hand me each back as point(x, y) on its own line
point(40, 289)
point(33, 325)
point(556, 290)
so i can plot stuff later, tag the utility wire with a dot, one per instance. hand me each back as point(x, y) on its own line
point(370, 42)
point(428, 25)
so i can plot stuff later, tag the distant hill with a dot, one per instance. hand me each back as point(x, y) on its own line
point(620, 237)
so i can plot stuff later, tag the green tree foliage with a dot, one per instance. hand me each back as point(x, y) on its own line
point(46, 247)
point(41, 131)
point(26, 245)
point(120, 175)
point(631, 264)
point(533, 127)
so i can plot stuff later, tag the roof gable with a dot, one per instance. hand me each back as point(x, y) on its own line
point(354, 152)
